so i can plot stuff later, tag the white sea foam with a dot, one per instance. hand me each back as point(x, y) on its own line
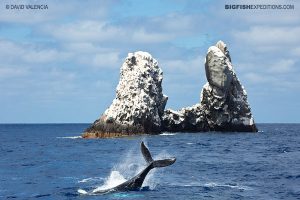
point(85, 180)
point(240, 187)
point(168, 134)
point(81, 191)
point(70, 137)
point(187, 183)
point(189, 143)
point(213, 185)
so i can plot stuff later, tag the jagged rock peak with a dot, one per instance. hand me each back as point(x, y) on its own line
point(224, 99)
point(223, 47)
point(223, 103)
point(139, 103)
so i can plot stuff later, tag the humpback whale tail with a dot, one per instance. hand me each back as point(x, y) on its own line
point(155, 163)
point(136, 182)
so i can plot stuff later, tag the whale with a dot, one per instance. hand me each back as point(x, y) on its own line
point(136, 182)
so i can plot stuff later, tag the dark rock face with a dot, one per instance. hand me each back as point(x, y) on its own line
point(223, 105)
point(190, 119)
point(139, 103)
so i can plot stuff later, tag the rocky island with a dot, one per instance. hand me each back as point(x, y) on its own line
point(138, 107)
point(139, 104)
point(223, 105)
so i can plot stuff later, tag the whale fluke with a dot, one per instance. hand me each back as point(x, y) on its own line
point(146, 153)
point(163, 163)
point(157, 163)
point(136, 182)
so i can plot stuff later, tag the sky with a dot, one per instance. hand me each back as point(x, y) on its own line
point(61, 65)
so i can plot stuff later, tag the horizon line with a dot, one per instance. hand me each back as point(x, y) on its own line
point(41, 123)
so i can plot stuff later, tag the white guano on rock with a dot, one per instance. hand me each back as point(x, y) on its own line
point(139, 103)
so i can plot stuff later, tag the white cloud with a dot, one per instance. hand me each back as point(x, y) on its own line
point(271, 83)
point(83, 31)
point(91, 54)
point(85, 47)
point(268, 35)
point(57, 73)
point(271, 67)
point(296, 52)
point(12, 72)
point(103, 32)
point(84, 54)
point(52, 85)
point(104, 84)
point(282, 66)
point(106, 60)
point(255, 78)
point(11, 52)
point(45, 56)
point(142, 36)
point(176, 23)
point(276, 17)
point(191, 66)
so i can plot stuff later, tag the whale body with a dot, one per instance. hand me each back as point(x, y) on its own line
point(136, 182)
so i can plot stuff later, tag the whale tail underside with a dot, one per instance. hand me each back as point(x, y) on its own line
point(155, 163)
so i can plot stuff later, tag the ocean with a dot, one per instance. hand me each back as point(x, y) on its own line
point(50, 161)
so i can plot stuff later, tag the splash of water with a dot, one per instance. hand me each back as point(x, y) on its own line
point(114, 179)
point(132, 164)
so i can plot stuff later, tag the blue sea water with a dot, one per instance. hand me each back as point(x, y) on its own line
point(47, 161)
